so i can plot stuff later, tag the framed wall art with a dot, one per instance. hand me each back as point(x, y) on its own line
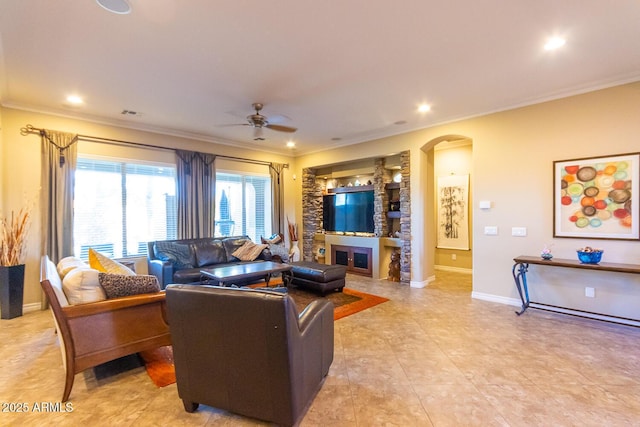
point(452, 211)
point(597, 197)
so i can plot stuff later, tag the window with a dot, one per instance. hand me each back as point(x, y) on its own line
point(119, 206)
point(243, 205)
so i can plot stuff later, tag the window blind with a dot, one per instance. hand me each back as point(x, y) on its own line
point(120, 205)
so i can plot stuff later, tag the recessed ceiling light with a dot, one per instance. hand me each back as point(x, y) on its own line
point(291, 144)
point(554, 43)
point(121, 7)
point(336, 139)
point(423, 108)
point(74, 99)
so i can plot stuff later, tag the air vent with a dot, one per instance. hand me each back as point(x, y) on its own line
point(130, 113)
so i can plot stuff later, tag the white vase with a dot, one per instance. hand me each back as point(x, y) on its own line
point(294, 254)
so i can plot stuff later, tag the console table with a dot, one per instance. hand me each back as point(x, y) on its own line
point(522, 262)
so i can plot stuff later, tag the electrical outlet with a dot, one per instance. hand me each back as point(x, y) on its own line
point(519, 231)
point(453, 256)
point(491, 230)
point(590, 292)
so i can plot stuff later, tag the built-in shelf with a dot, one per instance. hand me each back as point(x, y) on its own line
point(393, 242)
point(353, 189)
point(393, 214)
point(392, 186)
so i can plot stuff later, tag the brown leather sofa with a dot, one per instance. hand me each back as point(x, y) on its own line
point(98, 332)
point(248, 351)
point(180, 261)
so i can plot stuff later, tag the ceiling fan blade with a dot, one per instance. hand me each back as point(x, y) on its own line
point(281, 128)
point(278, 118)
point(232, 125)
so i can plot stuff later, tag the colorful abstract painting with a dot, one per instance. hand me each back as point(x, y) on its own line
point(597, 197)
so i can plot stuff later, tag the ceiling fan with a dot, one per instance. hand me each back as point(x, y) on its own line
point(259, 122)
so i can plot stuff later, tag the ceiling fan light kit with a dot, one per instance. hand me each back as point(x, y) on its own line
point(121, 7)
point(258, 134)
point(258, 121)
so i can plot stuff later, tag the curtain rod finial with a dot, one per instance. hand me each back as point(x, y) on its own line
point(26, 130)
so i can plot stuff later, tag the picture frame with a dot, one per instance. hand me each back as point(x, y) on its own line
point(597, 197)
point(453, 212)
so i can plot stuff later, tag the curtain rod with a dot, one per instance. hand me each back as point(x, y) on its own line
point(29, 129)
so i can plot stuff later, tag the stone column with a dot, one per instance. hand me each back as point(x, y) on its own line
point(405, 218)
point(311, 211)
point(381, 199)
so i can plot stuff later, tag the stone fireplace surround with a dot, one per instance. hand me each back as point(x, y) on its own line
point(312, 191)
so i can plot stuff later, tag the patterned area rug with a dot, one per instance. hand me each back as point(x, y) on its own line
point(159, 362)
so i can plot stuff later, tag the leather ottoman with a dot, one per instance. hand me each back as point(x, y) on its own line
point(318, 277)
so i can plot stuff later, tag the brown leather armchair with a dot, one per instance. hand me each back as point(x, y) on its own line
point(102, 331)
point(248, 351)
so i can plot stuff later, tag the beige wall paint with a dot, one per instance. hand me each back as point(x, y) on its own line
point(20, 166)
point(455, 159)
point(512, 157)
point(3, 155)
point(512, 160)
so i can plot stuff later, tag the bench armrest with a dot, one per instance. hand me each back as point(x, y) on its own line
point(110, 305)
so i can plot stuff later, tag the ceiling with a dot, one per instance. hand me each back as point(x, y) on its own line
point(340, 72)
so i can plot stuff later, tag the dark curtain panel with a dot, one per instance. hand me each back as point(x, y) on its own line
point(59, 159)
point(277, 192)
point(196, 179)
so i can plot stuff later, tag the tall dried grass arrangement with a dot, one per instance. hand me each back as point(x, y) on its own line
point(293, 230)
point(14, 238)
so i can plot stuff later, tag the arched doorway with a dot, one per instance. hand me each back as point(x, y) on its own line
point(448, 161)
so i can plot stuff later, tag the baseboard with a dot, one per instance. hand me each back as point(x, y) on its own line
point(34, 306)
point(454, 269)
point(422, 284)
point(586, 314)
point(516, 302)
point(496, 298)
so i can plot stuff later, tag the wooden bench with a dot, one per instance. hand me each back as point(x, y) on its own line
point(98, 332)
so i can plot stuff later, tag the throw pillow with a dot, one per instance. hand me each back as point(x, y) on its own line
point(121, 285)
point(81, 285)
point(272, 240)
point(177, 253)
point(280, 250)
point(249, 251)
point(69, 263)
point(106, 265)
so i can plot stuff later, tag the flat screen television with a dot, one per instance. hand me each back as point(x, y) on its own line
point(348, 212)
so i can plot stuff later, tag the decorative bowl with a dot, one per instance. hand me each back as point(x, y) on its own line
point(590, 257)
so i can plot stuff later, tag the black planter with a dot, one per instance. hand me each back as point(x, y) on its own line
point(11, 291)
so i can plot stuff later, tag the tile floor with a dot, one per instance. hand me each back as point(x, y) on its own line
point(428, 357)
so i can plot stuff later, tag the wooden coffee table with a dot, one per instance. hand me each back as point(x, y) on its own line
point(227, 276)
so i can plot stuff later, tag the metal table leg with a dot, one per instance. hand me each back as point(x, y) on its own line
point(287, 278)
point(520, 277)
